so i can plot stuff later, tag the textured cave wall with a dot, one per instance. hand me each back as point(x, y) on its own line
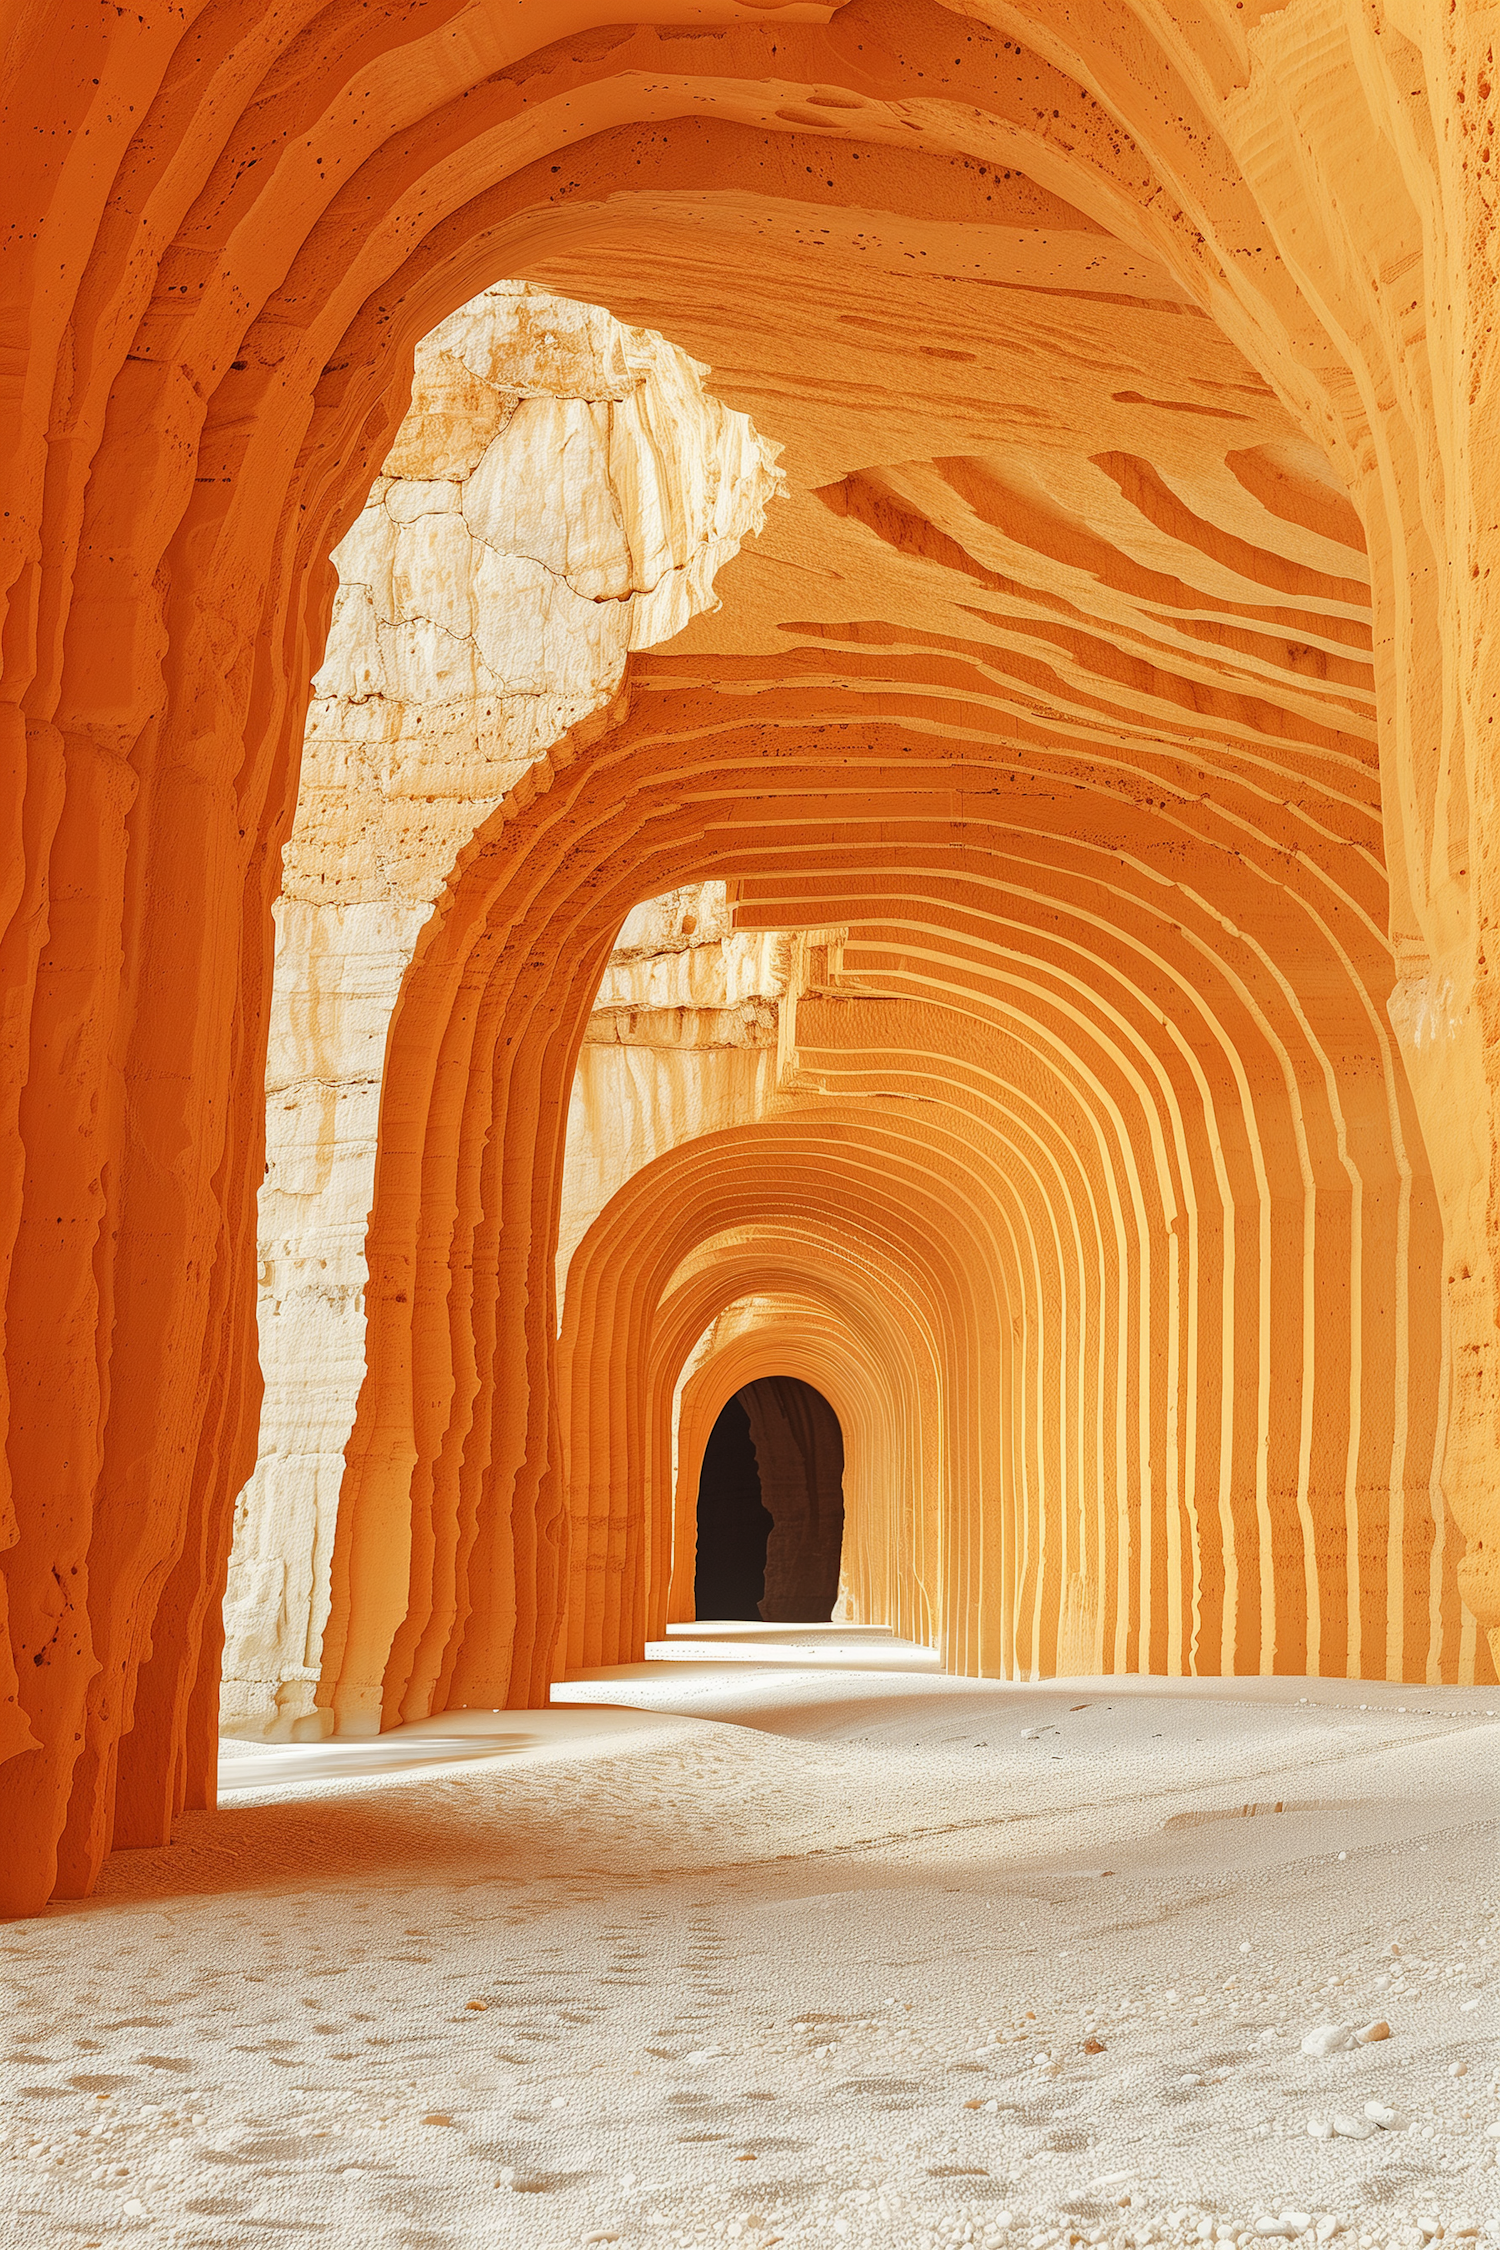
point(1116, 1131)
point(1142, 819)
point(799, 1452)
point(561, 491)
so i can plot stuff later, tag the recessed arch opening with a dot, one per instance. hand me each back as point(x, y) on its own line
point(732, 1521)
point(770, 1509)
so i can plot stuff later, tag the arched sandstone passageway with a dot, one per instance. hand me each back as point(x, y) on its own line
point(847, 1358)
point(1052, 681)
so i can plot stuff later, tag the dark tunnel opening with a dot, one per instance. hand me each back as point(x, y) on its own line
point(771, 1506)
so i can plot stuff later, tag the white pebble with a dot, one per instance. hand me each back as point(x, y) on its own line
point(1320, 2129)
point(1353, 2128)
point(1368, 2033)
point(1458, 2070)
point(1282, 2227)
point(1378, 2114)
point(1328, 2039)
point(1298, 2221)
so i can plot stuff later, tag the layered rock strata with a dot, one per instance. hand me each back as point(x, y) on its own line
point(686, 1036)
point(561, 491)
point(1094, 1145)
point(1120, 674)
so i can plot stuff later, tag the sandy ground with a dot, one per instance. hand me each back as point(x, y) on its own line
point(793, 1941)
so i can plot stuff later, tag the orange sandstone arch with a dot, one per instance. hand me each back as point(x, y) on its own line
point(862, 1266)
point(788, 1334)
point(229, 227)
point(1325, 1577)
point(807, 1315)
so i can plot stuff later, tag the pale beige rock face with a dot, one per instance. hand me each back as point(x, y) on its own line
point(686, 1037)
point(561, 492)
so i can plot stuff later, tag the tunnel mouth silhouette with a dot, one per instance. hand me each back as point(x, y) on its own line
point(771, 1506)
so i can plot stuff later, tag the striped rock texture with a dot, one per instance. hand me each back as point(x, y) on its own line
point(1117, 674)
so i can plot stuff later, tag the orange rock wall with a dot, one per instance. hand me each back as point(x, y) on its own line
point(1161, 822)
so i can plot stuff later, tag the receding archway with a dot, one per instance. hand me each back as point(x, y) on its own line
point(771, 1506)
point(1118, 686)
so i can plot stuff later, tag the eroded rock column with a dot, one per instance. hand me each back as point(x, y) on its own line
point(562, 491)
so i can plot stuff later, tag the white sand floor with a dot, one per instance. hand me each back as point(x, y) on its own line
point(784, 1937)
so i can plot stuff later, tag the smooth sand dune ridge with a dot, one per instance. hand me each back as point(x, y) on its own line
point(249, 1768)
